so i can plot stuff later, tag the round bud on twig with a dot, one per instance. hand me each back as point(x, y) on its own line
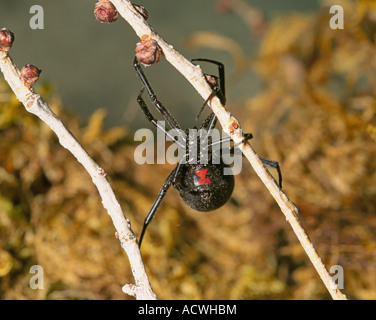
point(142, 11)
point(147, 51)
point(30, 74)
point(6, 39)
point(105, 11)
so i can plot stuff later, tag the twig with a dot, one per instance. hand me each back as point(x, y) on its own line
point(231, 126)
point(34, 103)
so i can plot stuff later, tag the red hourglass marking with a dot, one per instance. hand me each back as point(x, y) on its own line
point(202, 175)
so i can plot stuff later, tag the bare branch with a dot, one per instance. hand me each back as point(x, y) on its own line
point(232, 127)
point(36, 105)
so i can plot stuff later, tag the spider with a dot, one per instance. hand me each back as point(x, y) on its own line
point(202, 186)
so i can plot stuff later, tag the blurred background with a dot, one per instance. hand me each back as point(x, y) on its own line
point(91, 63)
point(305, 91)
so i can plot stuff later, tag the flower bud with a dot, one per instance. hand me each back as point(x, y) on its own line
point(6, 39)
point(30, 74)
point(105, 11)
point(147, 51)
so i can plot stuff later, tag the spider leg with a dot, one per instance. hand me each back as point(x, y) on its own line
point(209, 122)
point(221, 72)
point(211, 96)
point(154, 121)
point(270, 163)
point(275, 165)
point(247, 136)
point(170, 119)
point(208, 125)
point(217, 89)
point(205, 131)
point(158, 201)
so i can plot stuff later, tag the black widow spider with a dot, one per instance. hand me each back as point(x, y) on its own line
point(202, 186)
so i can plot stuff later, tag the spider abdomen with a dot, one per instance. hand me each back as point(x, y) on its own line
point(204, 187)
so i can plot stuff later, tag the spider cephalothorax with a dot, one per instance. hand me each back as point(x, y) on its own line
point(203, 183)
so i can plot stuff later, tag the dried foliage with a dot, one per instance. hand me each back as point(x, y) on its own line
point(315, 114)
